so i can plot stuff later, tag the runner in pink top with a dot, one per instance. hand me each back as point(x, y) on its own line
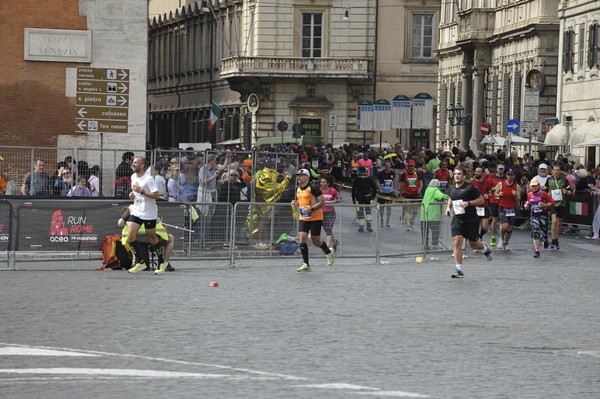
point(331, 196)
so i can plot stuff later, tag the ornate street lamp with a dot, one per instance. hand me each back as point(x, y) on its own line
point(457, 117)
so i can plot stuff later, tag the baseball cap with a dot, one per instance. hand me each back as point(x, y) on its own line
point(303, 172)
point(410, 163)
point(534, 182)
point(543, 166)
point(510, 172)
point(500, 166)
point(247, 162)
point(184, 160)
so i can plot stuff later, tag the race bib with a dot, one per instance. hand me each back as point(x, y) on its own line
point(458, 209)
point(443, 185)
point(304, 214)
point(536, 208)
point(388, 187)
point(480, 211)
point(557, 194)
point(509, 212)
point(139, 203)
point(412, 182)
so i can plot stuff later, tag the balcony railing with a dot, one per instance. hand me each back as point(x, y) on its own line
point(292, 67)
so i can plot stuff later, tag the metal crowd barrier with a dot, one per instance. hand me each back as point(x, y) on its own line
point(33, 229)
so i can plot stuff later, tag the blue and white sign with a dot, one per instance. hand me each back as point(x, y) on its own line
point(513, 126)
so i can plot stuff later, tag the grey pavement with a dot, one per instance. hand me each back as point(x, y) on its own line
point(516, 327)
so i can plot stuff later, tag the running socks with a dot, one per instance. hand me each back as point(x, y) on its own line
point(136, 249)
point(159, 252)
point(325, 248)
point(304, 251)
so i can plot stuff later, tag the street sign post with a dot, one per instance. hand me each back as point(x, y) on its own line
point(282, 126)
point(485, 129)
point(513, 126)
point(102, 100)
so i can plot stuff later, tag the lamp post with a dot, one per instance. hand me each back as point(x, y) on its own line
point(457, 117)
point(207, 9)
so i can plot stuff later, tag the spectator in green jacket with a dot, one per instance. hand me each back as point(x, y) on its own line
point(431, 213)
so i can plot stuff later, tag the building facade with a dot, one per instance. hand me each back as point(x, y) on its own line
point(303, 62)
point(578, 105)
point(307, 63)
point(42, 48)
point(494, 55)
point(406, 62)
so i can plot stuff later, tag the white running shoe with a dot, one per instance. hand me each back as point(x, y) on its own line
point(303, 268)
point(487, 251)
point(330, 258)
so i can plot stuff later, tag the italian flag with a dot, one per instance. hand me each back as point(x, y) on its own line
point(215, 114)
point(578, 208)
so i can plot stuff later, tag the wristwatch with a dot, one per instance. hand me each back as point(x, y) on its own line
point(142, 192)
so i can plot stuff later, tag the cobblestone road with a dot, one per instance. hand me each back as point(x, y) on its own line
point(516, 327)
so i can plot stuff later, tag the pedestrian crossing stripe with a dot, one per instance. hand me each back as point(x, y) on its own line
point(578, 208)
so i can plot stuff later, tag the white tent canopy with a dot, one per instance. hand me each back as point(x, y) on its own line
point(231, 142)
point(586, 132)
point(518, 140)
point(514, 140)
point(495, 140)
point(589, 143)
point(556, 136)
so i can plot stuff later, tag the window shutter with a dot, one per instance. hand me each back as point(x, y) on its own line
point(517, 102)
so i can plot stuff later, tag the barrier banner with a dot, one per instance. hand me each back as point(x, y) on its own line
point(4, 225)
point(59, 225)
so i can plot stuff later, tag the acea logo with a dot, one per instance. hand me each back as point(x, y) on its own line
point(74, 229)
point(3, 234)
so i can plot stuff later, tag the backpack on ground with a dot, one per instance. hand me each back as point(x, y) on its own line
point(114, 254)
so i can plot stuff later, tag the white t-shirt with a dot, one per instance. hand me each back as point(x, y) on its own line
point(542, 180)
point(144, 207)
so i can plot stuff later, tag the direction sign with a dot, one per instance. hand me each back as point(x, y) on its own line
point(102, 100)
point(513, 126)
point(332, 121)
point(485, 129)
point(532, 106)
point(282, 126)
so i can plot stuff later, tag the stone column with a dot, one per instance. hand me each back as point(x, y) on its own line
point(478, 103)
point(466, 100)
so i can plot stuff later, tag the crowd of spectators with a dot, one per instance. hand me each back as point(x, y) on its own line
point(180, 173)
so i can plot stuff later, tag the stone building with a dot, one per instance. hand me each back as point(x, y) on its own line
point(578, 98)
point(308, 63)
point(493, 56)
point(41, 50)
point(303, 62)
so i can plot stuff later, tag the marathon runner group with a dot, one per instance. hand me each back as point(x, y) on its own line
point(474, 197)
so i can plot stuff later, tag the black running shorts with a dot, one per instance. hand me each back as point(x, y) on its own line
point(313, 226)
point(469, 229)
point(494, 210)
point(149, 224)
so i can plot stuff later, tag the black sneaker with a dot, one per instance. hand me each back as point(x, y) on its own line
point(546, 244)
point(457, 274)
point(536, 254)
point(170, 268)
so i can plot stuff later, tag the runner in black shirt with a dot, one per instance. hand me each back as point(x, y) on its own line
point(463, 198)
